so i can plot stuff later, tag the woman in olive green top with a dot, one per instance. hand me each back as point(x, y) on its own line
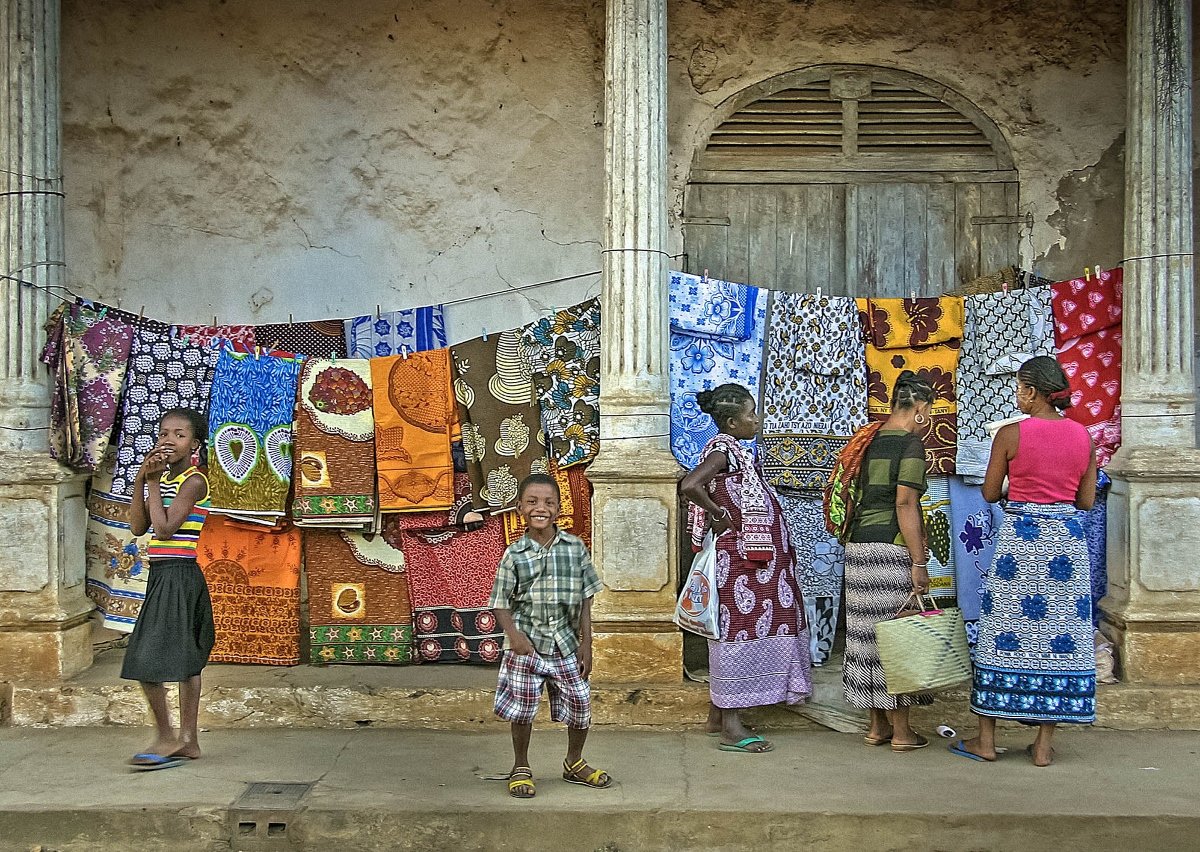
point(886, 560)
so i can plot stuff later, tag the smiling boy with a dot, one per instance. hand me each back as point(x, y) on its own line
point(543, 601)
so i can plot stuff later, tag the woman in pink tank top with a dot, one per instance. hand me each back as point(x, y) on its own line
point(1035, 658)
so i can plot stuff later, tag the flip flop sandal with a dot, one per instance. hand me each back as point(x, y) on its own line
point(960, 750)
point(592, 779)
point(743, 746)
point(903, 747)
point(147, 762)
point(877, 741)
point(521, 778)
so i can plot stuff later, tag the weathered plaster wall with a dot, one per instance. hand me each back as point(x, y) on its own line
point(258, 159)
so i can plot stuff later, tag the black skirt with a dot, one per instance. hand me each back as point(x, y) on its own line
point(174, 633)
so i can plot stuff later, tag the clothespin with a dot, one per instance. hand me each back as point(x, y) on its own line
point(378, 312)
point(1087, 273)
point(818, 292)
point(290, 320)
point(104, 312)
point(141, 312)
point(912, 295)
point(484, 329)
point(404, 352)
point(257, 351)
point(704, 277)
point(214, 320)
point(1099, 269)
point(332, 356)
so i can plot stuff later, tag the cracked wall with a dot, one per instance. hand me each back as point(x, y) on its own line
point(255, 160)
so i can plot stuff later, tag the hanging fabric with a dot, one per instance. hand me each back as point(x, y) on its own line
point(414, 412)
point(359, 608)
point(935, 507)
point(253, 578)
point(564, 350)
point(250, 426)
point(215, 335)
point(705, 307)
point(1095, 527)
point(335, 446)
point(89, 359)
point(814, 388)
point(820, 568)
point(396, 332)
point(501, 423)
point(922, 335)
point(974, 527)
point(1087, 332)
point(164, 372)
point(702, 363)
point(317, 339)
point(451, 570)
point(1002, 331)
point(117, 564)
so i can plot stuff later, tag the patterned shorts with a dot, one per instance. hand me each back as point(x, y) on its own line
point(520, 689)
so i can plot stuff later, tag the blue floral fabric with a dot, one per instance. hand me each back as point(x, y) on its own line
point(1035, 659)
point(396, 332)
point(1095, 527)
point(974, 527)
point(704, 307)
point(701, 363)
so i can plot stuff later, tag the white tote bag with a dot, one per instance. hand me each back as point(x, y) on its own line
point(698, 610)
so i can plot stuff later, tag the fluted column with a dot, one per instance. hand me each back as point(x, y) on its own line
point(44, 628)
point(31, 212)
point(634, 361)
point(635, 476)
point(1158, 399)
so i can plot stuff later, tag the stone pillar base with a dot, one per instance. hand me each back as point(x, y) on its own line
point(636, 516)
point(45, 632)
point(1152, 610)
point(638, 657)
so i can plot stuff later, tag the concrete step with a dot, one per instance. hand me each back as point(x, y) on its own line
point(68, 790)
point(460, 698)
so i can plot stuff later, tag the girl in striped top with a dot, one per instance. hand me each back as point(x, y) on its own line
point(174, 633)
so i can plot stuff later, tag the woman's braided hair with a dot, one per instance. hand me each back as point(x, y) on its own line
point(723, 402)
point(1044, 375)
point(910, 390)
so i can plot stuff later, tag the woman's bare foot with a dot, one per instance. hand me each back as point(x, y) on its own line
point(162, 748)
point(189, 750)
point(1040, 754)
point(713, 724)
point(974, 747)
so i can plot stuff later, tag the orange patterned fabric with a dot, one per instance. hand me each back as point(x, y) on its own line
point(414, 415)
point(574, 508)
point(253, 577)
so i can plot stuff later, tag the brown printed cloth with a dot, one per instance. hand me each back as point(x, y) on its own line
point(118, 566)
point(565, 352)
point(335, 446)
point(359, 610)
point(574, 507)
point(317, 339)
point(414, 417)
point(451, 573)
point(253, 577)
point(501, 426)
point(89, 359)
point(898, 322)
point(164, 372)
point(250, 428)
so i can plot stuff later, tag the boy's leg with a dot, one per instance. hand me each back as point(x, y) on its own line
point(521, 733)
point(189, 711)
point(571, 704)
point(518, 691)
point(576, 737)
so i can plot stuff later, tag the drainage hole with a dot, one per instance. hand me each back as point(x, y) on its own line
point(276, 829)
point(247, 827)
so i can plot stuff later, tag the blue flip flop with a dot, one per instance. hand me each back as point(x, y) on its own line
point(959, 749)
point(743, 745)
point(150, 762)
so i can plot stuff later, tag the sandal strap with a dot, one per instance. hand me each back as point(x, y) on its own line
point(592, 778)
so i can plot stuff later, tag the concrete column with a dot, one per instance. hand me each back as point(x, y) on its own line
point(635, 506)
point(1153, 606)
point(1158, 398)
point(43, 610)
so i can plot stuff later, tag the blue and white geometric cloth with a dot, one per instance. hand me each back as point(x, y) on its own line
point(396, 332)
point(702, 363)
point(706, 307)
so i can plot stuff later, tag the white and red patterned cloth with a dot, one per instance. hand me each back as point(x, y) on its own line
point(1087, 335)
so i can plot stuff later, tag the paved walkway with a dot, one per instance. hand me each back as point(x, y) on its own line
point(381, 789)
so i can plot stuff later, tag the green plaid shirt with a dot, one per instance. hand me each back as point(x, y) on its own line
point(544, 588)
